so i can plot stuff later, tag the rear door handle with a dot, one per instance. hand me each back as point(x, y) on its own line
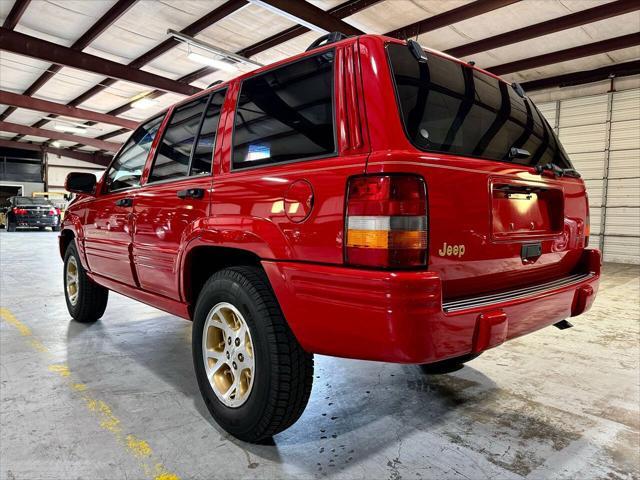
point(124, 202)
point(191, 193)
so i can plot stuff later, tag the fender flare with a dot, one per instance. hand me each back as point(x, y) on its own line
point(256, 236)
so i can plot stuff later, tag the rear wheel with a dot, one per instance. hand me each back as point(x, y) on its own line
point(11, 226)
point(86, 300)
point(56, 228)
point(449, 365)
point(253, 375)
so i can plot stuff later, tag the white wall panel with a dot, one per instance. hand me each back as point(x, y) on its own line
point(583, 138)
point(621, 249)
point(623, 192)
point(623, 221)
point(625, 135)
point(594, 190)
point(595, 214)
point(624, 164)
point(589, 164)
point(583, 111)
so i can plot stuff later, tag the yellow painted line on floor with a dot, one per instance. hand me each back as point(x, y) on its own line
point(136, 447)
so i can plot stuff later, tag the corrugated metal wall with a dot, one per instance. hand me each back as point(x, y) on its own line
point(601, 134)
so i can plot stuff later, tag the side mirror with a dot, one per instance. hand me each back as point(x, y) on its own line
point(80, 182)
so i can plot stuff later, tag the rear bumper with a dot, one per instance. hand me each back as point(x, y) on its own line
point(42, 221)
point(400, 317)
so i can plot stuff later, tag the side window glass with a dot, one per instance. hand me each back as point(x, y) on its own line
point(286, 114)
point(174, 151)
point(203, 152)
point(126, 170)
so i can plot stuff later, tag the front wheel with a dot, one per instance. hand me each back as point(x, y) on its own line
point(253, 375)
point(86, 300)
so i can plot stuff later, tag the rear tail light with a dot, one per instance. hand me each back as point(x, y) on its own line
point(20, 211)
point(53, 211)
point(587, 228)
point(386, 224)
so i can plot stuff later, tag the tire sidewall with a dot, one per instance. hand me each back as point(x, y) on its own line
point(72, 252)
point(243, 419)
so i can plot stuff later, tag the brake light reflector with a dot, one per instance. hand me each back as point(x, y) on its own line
point(386, 224)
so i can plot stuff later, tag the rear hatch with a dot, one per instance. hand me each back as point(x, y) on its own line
point(495, 223)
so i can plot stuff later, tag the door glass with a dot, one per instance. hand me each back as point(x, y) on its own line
point(174, 151)
point(203, 153)
point(126, 170)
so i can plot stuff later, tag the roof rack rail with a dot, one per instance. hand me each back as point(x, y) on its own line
point(213, 84)
point(332, 37)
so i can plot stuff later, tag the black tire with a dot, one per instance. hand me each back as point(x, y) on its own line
point(449, 365)
point(41, 229)
point(283, 370)
point(92, 298)
point(56, 228)
point(11, 227)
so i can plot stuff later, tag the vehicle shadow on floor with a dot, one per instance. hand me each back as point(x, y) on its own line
point(357, 409)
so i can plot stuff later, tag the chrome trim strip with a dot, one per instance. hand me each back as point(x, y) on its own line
point(486, 300)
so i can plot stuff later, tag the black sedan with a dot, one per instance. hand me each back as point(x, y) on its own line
point(27, 212)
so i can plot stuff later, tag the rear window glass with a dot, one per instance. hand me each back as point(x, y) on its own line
point(286, 114)
point(451, 108)
point(32, 201)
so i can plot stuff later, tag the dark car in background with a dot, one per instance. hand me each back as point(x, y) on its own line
point(26, 212)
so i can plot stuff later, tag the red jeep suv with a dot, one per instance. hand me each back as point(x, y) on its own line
point(366, 199)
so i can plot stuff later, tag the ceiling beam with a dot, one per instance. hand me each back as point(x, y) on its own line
point(30, 103)
point(209, 19)
point(27, 45)
point(56, 135)
point(585, 76)
point(15, 14)
point(601, 12)
point(312, 15)
point(89, 36)
point(97, 158)
point(449, 17)
point(586, 50)
point(341, 11)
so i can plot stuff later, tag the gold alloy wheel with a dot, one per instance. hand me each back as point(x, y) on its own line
point(72, 281)
point(227, 350)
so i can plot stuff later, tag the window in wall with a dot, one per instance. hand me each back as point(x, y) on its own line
point(286, 114)
point(126, 170)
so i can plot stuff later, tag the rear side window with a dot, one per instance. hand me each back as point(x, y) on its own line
point(126, 169)
point(286, 114)
point(188, 140)
point(452, 108)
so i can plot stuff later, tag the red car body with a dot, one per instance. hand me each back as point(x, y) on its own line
point(475, 290)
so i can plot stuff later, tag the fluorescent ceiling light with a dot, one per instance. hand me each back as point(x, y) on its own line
point(289, 16)
point(212, 62)
point(142, 103)
point(70, 129)
point(221, 52)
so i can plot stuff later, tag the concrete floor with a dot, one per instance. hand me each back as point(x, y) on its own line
point(118, 399)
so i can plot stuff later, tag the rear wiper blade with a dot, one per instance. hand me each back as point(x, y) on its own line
point(557, 170)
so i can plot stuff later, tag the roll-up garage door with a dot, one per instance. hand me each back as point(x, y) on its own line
point(601, 134)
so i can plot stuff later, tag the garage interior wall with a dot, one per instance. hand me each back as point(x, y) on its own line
point(601, 135)
point(59, 167)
